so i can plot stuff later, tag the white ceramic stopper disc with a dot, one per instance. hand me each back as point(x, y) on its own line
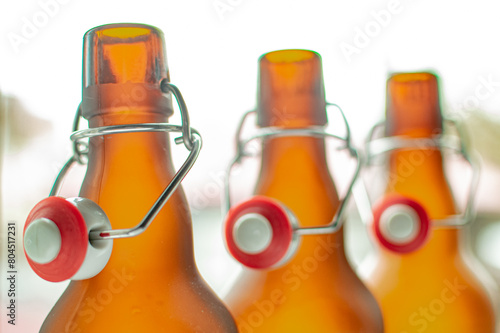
point(399, 223)
point(42, 241)
point(252, 233)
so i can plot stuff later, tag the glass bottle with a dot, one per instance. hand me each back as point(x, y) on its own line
point(430, 288)
point(316, 291)
point(151, 283)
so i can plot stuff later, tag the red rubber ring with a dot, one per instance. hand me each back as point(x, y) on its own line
point(74, 238)
point(280, 224)
point(423, 232)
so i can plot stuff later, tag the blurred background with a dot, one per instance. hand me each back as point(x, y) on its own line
point(212, 48)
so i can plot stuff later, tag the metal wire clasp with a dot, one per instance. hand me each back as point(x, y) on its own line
point(315, 131)
point(190, 138)
point(379, 146)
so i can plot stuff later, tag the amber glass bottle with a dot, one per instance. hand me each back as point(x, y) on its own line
point(316, 291)
point(430, 289)
point(151, 283)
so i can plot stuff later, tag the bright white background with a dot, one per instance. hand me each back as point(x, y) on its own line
point(212, 50)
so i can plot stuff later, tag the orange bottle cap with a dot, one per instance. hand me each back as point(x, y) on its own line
point(413, 105)
point(123, 65)
point(291, 91)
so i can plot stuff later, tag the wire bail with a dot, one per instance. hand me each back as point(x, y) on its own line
point(314, 131)
point(380, 146)
point(191, 139)
point(167, 87)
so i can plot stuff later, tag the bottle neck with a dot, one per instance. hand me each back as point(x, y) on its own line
point(419, 175)
point(126, 174)
point(294, 171)
point(413, 111)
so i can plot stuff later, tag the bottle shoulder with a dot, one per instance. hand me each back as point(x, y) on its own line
point(298, 302)
point(440, 283)
point(182, 305)
point(320, 282)
point(451, 301)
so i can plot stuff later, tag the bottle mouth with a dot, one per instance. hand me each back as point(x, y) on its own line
point(123, 30)
point(289, 56)
point(413, 77)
